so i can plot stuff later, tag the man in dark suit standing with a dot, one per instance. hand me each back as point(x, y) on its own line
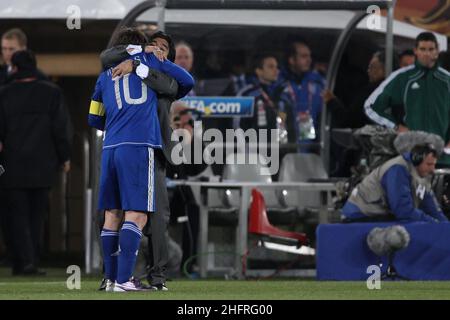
point(34, 144)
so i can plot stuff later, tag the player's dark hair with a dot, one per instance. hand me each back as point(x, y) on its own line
point(407, 52)
point(291, 49)
point(258, 59)
point(24, 60)
point(426, 36)
point(165, 36)
point(381, 56)
point(129, 36)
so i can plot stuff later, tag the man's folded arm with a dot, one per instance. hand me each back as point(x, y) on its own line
point(110, 57)
point(158, 81)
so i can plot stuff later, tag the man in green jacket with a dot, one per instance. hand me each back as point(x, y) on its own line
point(416, 97)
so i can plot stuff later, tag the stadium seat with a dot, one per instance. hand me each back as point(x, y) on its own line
point(220, 213)
point(259, 224)
point(223, 204)
point(302, 167)
point(278, 214)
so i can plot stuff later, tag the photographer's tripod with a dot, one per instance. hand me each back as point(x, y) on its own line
point(391, 272)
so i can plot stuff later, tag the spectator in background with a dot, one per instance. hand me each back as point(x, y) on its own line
point(306, 86)
point(273, 104)
point(213, 64)
point(321, 64)
point(34, 134)
point(184, 57)
point(13, 40)
point(406, 58)
point(353, 116)
point(237, 73)
point(415, 97)
point(182, 200)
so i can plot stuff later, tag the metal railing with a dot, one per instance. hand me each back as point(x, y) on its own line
point(87, 207)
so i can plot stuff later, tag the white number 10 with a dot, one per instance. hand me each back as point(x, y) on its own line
point(126, 91)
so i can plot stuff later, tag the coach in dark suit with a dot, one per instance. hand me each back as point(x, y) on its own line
point(35, 144)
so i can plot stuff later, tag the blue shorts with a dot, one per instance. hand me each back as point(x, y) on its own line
point(127, 179)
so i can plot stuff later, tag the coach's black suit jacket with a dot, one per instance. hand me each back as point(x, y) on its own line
point(34, 130)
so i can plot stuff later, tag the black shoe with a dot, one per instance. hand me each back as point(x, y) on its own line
point(102, 285)
point(159, 287)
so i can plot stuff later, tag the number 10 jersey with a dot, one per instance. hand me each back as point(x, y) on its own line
point(126, 109)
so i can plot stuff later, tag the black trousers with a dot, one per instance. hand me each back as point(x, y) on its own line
point(157, 224)
point(26, 209)
point(4, 225)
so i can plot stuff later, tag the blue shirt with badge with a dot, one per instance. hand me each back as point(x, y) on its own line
point(306, 90)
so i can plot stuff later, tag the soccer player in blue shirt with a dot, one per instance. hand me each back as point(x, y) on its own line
point(126, 109)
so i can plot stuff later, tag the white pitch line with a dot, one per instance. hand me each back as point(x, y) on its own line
point(33, 282)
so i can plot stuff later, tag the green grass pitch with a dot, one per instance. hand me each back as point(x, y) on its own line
point(53, 286)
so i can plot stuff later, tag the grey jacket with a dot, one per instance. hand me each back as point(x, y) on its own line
point(370, 196)
point(396, 188)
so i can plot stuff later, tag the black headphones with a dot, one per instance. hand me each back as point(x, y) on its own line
point(420, 152)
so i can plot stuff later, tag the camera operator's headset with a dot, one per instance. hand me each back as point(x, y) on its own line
point(420, 152)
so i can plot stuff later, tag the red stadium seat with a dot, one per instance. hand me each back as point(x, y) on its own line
point(259, 224)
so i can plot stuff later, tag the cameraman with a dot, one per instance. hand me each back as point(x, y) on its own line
point(400, 189)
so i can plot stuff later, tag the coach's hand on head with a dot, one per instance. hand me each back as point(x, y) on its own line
point(156, 51)
point(125, 67)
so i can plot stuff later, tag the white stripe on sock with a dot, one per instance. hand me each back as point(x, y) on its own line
point(132, 228)
point(109, 235)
